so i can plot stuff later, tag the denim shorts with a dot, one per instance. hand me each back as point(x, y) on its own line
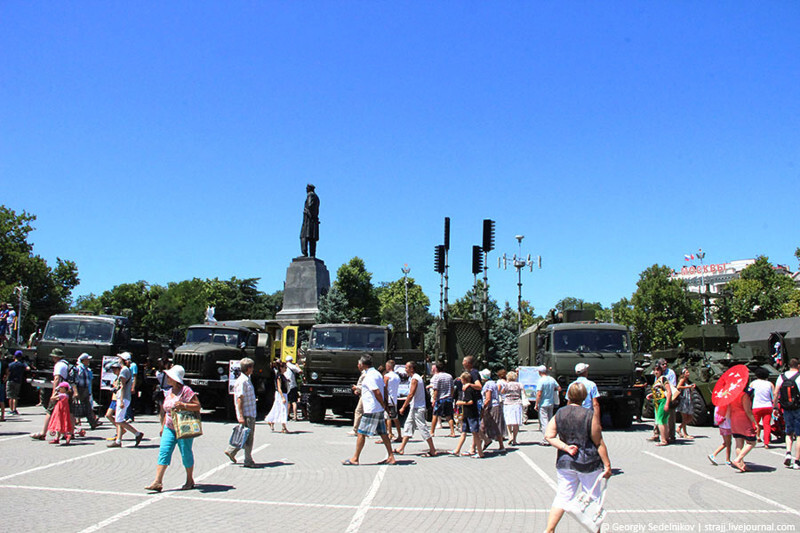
point(792, 421)
point(471, 425)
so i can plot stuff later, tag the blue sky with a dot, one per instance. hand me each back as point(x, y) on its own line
point(165, 141)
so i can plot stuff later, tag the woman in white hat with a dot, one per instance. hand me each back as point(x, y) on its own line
point(179, 398)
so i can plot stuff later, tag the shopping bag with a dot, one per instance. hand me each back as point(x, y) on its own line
point(239, 436)
point(187, 424)
point(588, 511)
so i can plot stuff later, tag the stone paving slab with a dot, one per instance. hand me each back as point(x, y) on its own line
point(300, 484)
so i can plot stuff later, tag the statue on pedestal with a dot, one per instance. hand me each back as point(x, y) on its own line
point(309, 233)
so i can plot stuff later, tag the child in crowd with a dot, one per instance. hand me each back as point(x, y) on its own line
point(722, 418)
point(61, 421)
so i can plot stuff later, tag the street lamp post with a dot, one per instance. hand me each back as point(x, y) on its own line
point(406, 269)
point(701, 255)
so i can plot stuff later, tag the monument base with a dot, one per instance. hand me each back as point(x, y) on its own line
point(307, 278)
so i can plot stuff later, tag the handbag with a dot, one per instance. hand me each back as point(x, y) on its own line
point(588, 511)
point(239, 436)
point(187, 424)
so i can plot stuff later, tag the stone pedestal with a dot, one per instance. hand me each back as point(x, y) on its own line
point(307, 279)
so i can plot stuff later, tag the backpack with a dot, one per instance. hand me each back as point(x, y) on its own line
point(72, 374)
point(789, 394)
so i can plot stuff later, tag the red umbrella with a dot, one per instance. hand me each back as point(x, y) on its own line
point(730, 386)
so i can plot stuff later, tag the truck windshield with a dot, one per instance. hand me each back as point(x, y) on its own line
point(591, 340)
point(347, 338)
point(228, 337)
point(79, 330)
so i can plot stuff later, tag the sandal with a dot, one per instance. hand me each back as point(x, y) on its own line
point(37, 436)
point(188, 486)
point(155, 487)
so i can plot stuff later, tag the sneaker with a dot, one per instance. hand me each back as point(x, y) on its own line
point(231, 456)
point(712, 459)
point(114, 444)
point(796, 465)
point(139, 437)
point(787, 461)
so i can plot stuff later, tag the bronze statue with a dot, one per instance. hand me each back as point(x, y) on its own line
point(309, 233)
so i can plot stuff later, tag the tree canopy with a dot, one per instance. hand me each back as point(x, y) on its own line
point(49, 290)
point(661, 309)
point(760, 293)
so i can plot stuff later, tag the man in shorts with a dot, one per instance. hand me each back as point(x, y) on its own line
point(372, 420)
point(442, 398)
point(16, 376)
point(124, 397)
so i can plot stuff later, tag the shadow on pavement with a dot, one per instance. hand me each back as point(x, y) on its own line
point(271, 464)
point(207, 488)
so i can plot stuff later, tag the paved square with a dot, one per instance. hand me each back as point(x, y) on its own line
point(300, 484)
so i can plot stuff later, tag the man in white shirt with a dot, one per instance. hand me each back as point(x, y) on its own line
point(442, 397)
point(416, 417)
point(392, 382)
point(291, 373)
point(244, 399)
point(372, 420)
point(582, 371)
point(791, 417)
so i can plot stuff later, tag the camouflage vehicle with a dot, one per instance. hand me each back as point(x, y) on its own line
point(209, 348)
point(561, 341)
point(331, 362)
point(708, 350)
point(97, 335)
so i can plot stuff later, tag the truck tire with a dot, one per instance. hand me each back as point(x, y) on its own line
point(648, 409)
point(316, 411)
point(701, 413)
point(621, 415)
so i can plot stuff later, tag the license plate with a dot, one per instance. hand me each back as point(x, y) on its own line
point(202, 382)
point(342, 390)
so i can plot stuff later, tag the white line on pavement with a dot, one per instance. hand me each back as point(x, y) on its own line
point(14, 438)
point(538, 470)
point(154, 499)
point(726, 484)
point(361, 512)
point(51, 465)
point(272, 503)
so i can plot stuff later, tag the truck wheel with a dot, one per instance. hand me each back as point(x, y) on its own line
point(701, 414)
point(621, 415)
point(316, 411)
point(648, 409)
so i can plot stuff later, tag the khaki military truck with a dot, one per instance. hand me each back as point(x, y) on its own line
point(331, 362)
point(561, 341)
point(209, 348)
point(97, 335)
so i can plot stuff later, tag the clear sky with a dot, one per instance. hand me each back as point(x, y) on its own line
point(169, 140)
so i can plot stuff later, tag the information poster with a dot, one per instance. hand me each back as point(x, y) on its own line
point(107, 376)
point(529, 377)
point(234, 371)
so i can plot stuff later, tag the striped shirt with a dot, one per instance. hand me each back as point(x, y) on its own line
point(442, 382)
point(244, 388)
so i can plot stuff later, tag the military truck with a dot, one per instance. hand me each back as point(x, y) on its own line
point(209, 348)
point(708, 350)
point(331, 362)
point(563, 340)
point(97, 335)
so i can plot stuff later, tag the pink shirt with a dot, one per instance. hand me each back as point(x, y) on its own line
point(185, 396)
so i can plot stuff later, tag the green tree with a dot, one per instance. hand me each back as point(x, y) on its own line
point(661, 309)
point(392, 298)
point(759, 293)
point(49, 289)
point(571, 302)
point(333, 308)
point(354, 282)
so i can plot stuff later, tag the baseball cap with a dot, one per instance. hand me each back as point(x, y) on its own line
point(541, 368)
point(485, 373)
point(84, 356)
point(125, 355)
point(581, 367)
point(289, 358)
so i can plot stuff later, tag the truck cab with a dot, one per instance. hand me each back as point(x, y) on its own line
point(331, 362)
point(606, 348)
point(209, 348)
